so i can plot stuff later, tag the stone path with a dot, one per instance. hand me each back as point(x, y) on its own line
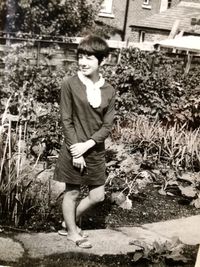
point(105, 241)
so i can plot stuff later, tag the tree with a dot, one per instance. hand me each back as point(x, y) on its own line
point(48, 17)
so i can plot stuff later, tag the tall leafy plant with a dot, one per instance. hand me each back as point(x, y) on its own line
point(29, 130)
point(34, 92)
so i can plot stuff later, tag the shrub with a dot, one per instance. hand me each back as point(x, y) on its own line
point(29, 131)
point(34, 97)
point(154, 85)
point(146, 152)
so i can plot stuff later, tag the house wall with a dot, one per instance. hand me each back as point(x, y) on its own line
point(150, 35)
point(164, 4)
point(117, 18)
point(156, 36)
point(137, 10)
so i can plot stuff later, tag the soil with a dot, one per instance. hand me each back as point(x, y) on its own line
point(148, 206)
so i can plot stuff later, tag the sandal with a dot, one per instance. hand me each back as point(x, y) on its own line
point(64, 232)
point(82, 243)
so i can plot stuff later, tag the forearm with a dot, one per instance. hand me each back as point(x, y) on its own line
point(66, 112)
point(101, 134)
point(69, 134)
point(90, 143)
point(79, 149)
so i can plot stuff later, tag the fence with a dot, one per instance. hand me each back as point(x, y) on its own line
point(57, 51)
point(60, 51)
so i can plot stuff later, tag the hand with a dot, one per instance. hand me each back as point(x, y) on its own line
point(79, 163)
point(78, 149)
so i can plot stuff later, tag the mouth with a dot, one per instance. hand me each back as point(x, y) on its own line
point(84, 69)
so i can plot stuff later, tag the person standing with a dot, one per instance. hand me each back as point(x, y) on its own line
point(87, 115)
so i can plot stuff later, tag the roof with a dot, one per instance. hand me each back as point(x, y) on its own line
point(184, 11)
point(187, 43)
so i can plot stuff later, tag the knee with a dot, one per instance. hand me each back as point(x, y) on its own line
point(97, 198)
point(72, 194)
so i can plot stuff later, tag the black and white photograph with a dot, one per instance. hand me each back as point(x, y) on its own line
point(100, 133)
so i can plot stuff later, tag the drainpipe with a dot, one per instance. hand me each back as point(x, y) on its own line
point(125, 20)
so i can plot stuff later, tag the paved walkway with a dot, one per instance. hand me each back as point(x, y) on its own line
point(105, 241)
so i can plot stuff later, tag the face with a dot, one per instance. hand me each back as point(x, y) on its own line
point(88, 65)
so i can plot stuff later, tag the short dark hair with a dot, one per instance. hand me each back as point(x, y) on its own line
point(93, 45)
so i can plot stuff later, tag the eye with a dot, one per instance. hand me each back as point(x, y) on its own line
point(91, 57)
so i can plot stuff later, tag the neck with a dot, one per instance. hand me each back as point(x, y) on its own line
point(94, 77)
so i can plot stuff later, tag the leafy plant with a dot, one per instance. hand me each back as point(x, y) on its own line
point(143, 147)
point(30, 99)
point(16, 173)
point(34, 96)
point(154, 85)
point(176, 146)
point(160, 252)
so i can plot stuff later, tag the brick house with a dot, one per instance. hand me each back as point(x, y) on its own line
point(120, 14)
point(158, 26)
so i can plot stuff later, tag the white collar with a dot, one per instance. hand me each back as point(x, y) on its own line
point(92, 89)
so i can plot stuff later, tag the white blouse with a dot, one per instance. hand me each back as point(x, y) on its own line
point(93, 91)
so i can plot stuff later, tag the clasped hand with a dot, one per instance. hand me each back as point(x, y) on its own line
point(78, 149)
point(79, 163)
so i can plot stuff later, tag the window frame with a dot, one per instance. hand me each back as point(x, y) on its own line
point(146, 4)
point(107, 9)
point(142, 35)
point(169, 4)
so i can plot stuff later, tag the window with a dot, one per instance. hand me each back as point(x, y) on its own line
point(146, 4)
point(169, 3)
point(141, 36)
point(165, 4)
point(106, 9)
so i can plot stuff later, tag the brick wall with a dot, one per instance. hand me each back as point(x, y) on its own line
point(156, 36)
point(136, 12)
point(150, 35)
point(117, 21)
point(134, 36)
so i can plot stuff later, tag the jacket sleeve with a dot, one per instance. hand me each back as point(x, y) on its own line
point(100, 135)
point(66, 114)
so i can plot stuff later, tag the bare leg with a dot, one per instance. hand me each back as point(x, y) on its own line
point(96, 195)
point(69, 211)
